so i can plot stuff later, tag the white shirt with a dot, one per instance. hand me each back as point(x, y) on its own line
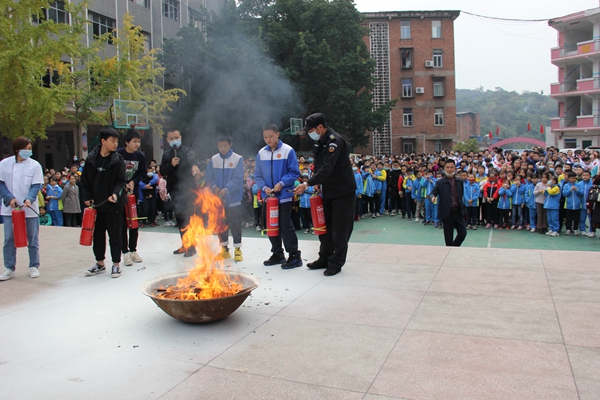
point(18, 178)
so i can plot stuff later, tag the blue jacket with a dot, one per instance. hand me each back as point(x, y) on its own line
point(369, 184)
point(377, 182)
point(529, 196)
point(305, 197)
point(572, 198)
point(278, 166)
point(504, 197)
point(471, 192)
point(227, 172)
point(518, 197)
point(429, 185)
point(585, 188)
point(552, 198)
point(56, 192)
point(142, 186)
point(360, 187)
point(415, 192)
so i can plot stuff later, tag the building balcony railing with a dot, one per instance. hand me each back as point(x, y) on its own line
point(579, 49)
point(579, 87)
point(579, 122)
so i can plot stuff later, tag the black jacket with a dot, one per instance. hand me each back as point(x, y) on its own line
point(394, 175)
point(99, 182)
point(333, 170)
point(179, 178)
point(443, 190)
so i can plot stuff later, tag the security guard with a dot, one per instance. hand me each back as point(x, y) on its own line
point(333, 171)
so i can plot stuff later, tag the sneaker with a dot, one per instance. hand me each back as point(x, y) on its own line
point(95, 270)
point(403, 216)
point(532, 230)
point(294, 261)
point(408, 218)
point(568, 232)
point(436, 225)
point(555, 234)
point(468, 226)
point(363, 216)
point(320, 263)
point(127, 260)
point(180, 250)
point(416, 219)
point(513, 227)
point(332, 271)
point(387, 212)
point(33, 272)
point(519, 228)
point(8, 274)
point(393, 213)
point(276, 258)
point(591, 234)
point(474, 227)
point(548, 232)
point(115, 272)
point(495, 226)
point(225, 254)
point(306, 231)
point(153, 225)
point(190, 252)
point(238, 255)
point(135, 257)
point(576, 233)
point(488, 226)
point(373, 216)
point(258, 228)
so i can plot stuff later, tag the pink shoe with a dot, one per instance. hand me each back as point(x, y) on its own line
point(513, 227)
point(488, 226)
point(519, 228)
point(496, 226)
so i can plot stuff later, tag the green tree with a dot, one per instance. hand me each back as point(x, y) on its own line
point(467, 146)
point(29, 51)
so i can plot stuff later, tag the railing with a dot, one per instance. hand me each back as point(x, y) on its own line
point(588, 46)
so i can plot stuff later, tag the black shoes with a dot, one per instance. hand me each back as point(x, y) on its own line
point(320, 263)
point(180, 250)
point(332, 271)
point(294, 261)
point(186, 253)
point(276, 258)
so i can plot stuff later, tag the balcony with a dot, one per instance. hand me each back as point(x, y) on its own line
point(580, 87)
point(576, 123)
point(587, 49)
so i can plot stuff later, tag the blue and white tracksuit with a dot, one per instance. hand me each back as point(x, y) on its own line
point(277, 166)
point(552, 205)
point(584, 216)
point(431, 210)
point(530, 202)
point(518, 200)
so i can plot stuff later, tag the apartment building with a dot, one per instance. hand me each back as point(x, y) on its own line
point(414, 51)
point(467, 125)
point(159, 20)
point(577, 91)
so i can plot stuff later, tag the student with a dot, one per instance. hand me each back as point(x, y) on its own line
point(53, 195)
point(552, 204)
point(471, 201)
point(359, 192)
point(428, 186)
point(417, 195)
point(71, 206)
point(103, 183)
point(382, 185)
point(370, 187)
point(135, 170)
point(532, 180)
point(572, 193)
point(584, 217)
point(225, 177)
point(395, 175)
point(275, 173)
point(504, 205)
point(490, 194)
point(45, 219)
point(305, 205)
point(518, 203)
point(409, 204)
point(147, 196)
point(540, 198)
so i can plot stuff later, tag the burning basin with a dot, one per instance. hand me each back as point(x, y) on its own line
point(199, 310)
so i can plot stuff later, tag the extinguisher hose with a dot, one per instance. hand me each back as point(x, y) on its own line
point(35, 212)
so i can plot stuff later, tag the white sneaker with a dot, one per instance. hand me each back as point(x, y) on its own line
point(33, 272)
point(258, 228)
point(8, 274)
point(135, 257)
point(568, 232)
point(576, 233)
point(127, 260)
point(416, 219)
point(549, 233)
point(591, 234)
point(532, 230)
point(555, 234)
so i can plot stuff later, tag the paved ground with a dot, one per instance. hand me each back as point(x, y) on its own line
point(400, 321)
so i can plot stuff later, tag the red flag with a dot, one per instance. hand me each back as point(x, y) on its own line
point(528, 126)
point(542, 129)
point(497, 130)
point(490, 134)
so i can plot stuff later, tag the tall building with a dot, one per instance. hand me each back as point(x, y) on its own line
point(414, 51)
point(159, 20)
point(578, 89)
point(467, 125)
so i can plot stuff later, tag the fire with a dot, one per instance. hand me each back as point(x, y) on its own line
point(207, 280)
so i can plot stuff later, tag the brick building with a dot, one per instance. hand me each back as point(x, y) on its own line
point(414, 51)
point(467, 125)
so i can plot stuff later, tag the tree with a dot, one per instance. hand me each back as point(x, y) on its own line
point(467, 146)
point(29, 52)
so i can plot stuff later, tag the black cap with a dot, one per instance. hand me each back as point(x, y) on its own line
point(314, 120)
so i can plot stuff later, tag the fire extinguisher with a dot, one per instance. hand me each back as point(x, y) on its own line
point(131, 212)
point(19, 227)
point(318, 215)
point(272, 216)
point(87, 226)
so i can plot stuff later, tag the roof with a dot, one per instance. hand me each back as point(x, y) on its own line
point(452, 14)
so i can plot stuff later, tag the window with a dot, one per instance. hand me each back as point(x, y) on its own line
point(404, 29)
point(438, 116)
point(438, 146)
point(438, 88)
point(407, 117)
point(143, 3)
point(407, 88)
point(147, 41)
point(55, 12)
point(406, 55)
point(408, 145)
point(570, 143)
point(51, 78)
point(437, 59)
point(101, 25)
point(194, 17)
point(171, 9)
point(436, 29)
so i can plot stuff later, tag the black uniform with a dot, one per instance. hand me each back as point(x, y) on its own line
point(333, 171)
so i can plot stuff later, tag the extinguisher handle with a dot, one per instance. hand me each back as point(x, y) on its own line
point(19, 207)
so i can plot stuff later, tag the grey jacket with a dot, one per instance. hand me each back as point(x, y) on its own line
point(70, 198)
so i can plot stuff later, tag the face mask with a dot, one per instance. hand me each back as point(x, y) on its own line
point(150, 174)
point(471, 179)
point(310, 159)
point(64, 181)
point(314, 135)
point(25, 154)
point(395, 168)
point(75, 158)
point(354, 169)
point(449, 174)
point(175, 143)
point(82, 164)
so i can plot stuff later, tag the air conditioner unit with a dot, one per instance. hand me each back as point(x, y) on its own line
point(420, 90)
point(429, 63)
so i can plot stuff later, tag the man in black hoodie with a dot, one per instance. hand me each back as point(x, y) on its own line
point(103, 184)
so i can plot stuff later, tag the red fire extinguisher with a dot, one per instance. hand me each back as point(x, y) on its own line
point(19, 227)
point(87, 226)
point(318, 215)
point(131, 212)
point(272, 216)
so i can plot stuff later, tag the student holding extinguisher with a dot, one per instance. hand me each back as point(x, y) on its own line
point(21, 178)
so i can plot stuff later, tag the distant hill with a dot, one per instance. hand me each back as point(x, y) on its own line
point(509, 110)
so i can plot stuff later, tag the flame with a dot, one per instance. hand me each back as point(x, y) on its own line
point(207, 280)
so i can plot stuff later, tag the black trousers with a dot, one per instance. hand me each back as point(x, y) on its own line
point(70, 219)
point(572, 219)
point(504, 216)
point(306, 217)
point(131, 244)
point(456, 221)
point(472, 215)
point(111, 223)
point(339, 220)
point(492, 215)
point(233, 219)
point(149, 210)
point(287, 232)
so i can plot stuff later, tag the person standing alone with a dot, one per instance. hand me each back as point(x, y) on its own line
point(451, 208)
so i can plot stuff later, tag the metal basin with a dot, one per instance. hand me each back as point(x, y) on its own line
point(200, 311)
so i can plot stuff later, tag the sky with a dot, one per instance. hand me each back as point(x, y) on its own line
point(489, 53)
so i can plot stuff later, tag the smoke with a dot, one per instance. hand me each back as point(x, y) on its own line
point(242, 91)
point(528, 105)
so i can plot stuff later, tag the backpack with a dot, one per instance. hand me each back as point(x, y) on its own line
point(594, 196)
